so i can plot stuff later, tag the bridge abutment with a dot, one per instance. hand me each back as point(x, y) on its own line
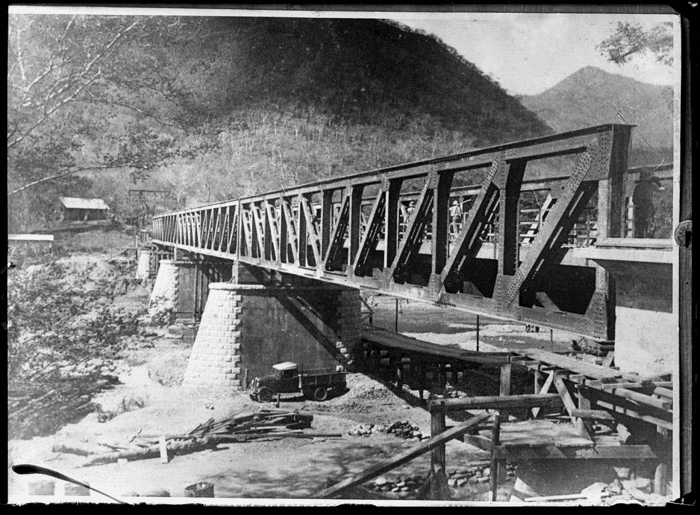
point(266, 318)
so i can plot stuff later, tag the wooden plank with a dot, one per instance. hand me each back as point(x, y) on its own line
point(642, 398)
point(610, 452)
point(396, 340)
point(576, 366)
point(405, 457)
point(480, 442)
point(635, 414)
point(498, 402)
point(592, 414)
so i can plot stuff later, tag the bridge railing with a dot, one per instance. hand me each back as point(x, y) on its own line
point(392, 230)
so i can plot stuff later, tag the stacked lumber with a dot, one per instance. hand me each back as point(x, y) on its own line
point(264, 425)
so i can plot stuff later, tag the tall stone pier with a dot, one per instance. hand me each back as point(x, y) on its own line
point(265, 318)
point(182, 285)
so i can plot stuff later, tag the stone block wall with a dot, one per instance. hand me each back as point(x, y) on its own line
point(216, 355)
point(250, 327)
point(164, 297)
point(143, 268)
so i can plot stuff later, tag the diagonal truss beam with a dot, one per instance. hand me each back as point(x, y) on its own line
point(311, 227)
point(468, 241)
point(372, 234)
point(555, 228)
point(410, 243)
point(332, 259)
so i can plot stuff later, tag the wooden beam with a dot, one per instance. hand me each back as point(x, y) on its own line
point(498, 402)
point(405, 457)
point(545, 389)
point(551, 452)
point(593, 414)
point(575, 366)
point(570, 406)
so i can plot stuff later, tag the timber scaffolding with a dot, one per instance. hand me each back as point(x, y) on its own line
point(519, 427)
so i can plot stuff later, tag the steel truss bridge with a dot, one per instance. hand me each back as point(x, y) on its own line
point(390, 230)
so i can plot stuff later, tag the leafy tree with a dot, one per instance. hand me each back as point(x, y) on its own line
point(630, 39)
point(90, 93)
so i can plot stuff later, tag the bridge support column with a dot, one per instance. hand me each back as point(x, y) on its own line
point(215, 361)
point(250, 327)
point(181, 287)
point(143, 269)
point(163, 303)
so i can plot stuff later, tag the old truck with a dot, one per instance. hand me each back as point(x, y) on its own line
point(289, 377)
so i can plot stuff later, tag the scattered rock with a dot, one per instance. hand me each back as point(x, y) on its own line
point(642, 484)
point(595, 492)
point(380, 481)
point(615, 487)
point(622, 472)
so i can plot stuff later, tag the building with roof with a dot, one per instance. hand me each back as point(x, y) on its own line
point(83, 209)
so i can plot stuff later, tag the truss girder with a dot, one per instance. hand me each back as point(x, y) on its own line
point(321, 230)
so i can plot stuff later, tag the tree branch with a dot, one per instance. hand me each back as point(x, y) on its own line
point(58, 176)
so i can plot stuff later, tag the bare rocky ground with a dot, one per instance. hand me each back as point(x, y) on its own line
point(149, 399)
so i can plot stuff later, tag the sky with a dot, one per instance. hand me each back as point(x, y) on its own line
point(526, 53)
point(529, 53)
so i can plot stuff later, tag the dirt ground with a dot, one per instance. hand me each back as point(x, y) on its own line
point(154, 403)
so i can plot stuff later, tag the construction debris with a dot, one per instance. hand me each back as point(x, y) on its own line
point(402, 429)
point(265, 425)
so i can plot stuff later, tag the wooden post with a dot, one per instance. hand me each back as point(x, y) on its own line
point(421, 380)
point(437, 426)
point(506, 370)
point(495, 442)
point(245, 380)
point(477, 333)
point(660, 479)
point(396, 317)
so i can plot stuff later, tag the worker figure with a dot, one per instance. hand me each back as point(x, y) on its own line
point(456, 218)
point(643, 200)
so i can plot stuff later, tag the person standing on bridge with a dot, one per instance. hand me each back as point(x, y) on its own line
point(643, 200)
point(456, 218)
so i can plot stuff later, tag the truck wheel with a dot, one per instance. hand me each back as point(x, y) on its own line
point(265, 395)
point(320, 393)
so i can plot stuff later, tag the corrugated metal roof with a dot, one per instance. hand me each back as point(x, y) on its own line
point(83, 203)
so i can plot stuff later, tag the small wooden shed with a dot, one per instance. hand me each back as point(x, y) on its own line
point(83, 209)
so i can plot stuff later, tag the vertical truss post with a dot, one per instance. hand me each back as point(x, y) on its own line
point(284, 231)
point(301, 233)
point(441, 229)
point(509, 180)
point(326, 220)
point(391, 219)
point(355, 222)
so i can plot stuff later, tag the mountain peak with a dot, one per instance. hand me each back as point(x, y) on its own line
point(592, 96)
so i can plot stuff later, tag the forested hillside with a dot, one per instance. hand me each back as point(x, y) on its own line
point(214, 108)
point(592, 96)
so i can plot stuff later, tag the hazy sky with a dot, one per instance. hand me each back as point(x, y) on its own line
point(528, 53)
point(525, 53)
